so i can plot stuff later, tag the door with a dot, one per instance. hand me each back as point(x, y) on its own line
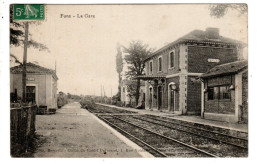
point(159, 98)
point(172, 103)
point(30, 93)
point(150, 98)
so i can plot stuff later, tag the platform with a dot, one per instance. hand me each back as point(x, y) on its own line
point(74, 132)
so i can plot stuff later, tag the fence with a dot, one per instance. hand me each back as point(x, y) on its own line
point(22, 128)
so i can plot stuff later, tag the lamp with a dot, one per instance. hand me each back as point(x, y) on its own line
point(173, 87)
point(231, 87)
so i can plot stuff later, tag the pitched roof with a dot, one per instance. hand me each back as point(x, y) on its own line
point(228, 68)
point(197, 36)
point(33, 68)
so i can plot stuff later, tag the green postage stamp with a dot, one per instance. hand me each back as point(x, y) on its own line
point(29, 12)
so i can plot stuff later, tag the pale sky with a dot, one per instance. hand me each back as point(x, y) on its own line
point(85, 48)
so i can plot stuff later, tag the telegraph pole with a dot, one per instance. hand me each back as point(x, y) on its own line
point(101, 94)
point(111, 96)
point(25, 62)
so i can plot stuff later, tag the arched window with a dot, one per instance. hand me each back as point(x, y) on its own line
point(151, 67)
point(159, 64)
point(171, 59)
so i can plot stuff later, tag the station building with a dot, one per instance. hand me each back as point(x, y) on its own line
point(126, 97)
point(41, 84)
point(172, 72)
point(224, 94)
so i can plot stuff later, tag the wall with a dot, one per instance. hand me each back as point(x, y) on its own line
point(46, 87)
point(165, 64)
point(193, 95)
point(48, 90)
point(176, 81)
point(198, 57)
point(220, 106)
point(245, 97)
point(54, 93)
point(39, 81)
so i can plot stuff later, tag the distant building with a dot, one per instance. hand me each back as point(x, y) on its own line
point(172, 72)
point(41, 84)
point(225, 92)
point(126, 98)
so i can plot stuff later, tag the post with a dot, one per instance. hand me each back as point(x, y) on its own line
point(202, 99)
point(111, 96)
point(24, 62)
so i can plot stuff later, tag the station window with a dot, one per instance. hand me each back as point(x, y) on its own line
point(219, 92)
point(171, 60)
point(151, 67)
point(160, 64)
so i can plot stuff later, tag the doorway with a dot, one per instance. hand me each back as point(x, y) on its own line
point(150, 97)
point(172, 98)
point(160, 98)
point(31, 93)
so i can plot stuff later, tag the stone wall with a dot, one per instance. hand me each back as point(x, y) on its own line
point(245, 97)
point(198, 57)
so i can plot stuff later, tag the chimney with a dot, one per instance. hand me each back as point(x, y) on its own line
point(212, 33)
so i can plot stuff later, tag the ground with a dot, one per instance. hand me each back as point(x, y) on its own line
point(74, 132)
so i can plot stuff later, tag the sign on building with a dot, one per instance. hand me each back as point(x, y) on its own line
point(213, 60)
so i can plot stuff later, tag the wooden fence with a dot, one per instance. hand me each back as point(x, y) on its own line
point(22, 128)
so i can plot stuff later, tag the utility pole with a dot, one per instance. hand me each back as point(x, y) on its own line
point(101, 94)
point(111, 96)
point(25, 62)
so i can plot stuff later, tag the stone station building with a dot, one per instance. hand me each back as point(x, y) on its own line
point(173, 71)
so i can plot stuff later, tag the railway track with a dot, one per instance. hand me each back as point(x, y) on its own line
point(208, 144)
point(99, 110)
point(154, 128)
point(219, 137)
point(155, 143)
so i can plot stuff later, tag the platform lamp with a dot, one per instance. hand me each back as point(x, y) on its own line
point(173, 87)
point(231, 87)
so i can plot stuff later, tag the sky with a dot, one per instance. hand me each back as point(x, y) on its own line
point(84, 49)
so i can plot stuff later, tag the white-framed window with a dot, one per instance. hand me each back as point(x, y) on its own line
point(151, 67)
point(159, 64)
point(171, 59)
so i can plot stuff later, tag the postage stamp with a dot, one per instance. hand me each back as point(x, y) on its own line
point(29, 12)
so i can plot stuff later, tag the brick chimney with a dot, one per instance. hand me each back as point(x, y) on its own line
point(212, 33)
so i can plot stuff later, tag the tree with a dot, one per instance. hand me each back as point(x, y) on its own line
point(119, 67)
point(136, 53)
point(219, 10)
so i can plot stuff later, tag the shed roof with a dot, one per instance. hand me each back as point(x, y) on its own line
point(198, 36)
point(150, 77)
point(33, 68)
point(228, 68)
point(130, 82)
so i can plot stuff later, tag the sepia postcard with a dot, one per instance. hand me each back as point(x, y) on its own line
point(129, 80)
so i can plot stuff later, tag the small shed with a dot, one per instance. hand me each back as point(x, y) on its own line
point(225, 92)
point(41, 85)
